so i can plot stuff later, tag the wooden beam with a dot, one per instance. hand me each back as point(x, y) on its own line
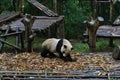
point(42, 8)
point(22, 7)
point(10, 44)
point(8, 16)
point(11, 34)
point(55, 6)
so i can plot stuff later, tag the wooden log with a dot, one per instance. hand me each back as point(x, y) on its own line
point(92, 27)
point(42, 8)
point(28, 21)
point(17, 39)
point(116, 53)
point(22, 41)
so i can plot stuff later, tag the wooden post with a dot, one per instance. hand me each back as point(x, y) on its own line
point(94, 9)
point(22, 7)
point(55, 10)
point(17, 38)
point(4, 39)
point(111, 12)
point(28, 21)
point(60, 7)
point(15, 5)
point(55, 6)
point(111, 22)
point(92, 27)
point(60, 28)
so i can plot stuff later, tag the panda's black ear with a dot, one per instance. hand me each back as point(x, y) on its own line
point(65, 46)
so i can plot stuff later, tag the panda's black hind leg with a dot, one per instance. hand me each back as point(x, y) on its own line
point(47, 53)
point(44, 53)
point(52, 55)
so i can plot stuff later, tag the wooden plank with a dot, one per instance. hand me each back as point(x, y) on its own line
point(41, 23)
point(11, 34)
point(8, 16)
point(42, 8)
point(2, 44)
point(10, 44)
point(107, 31)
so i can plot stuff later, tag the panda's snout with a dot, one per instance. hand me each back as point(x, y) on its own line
point(63, 51)
point(72, 48)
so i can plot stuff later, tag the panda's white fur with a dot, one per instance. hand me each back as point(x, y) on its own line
point(52, 45)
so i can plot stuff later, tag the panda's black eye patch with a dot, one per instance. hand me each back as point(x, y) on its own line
point(65, 46)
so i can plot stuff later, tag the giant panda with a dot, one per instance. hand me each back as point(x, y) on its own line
point(60, 46)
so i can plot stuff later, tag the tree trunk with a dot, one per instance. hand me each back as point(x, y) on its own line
point(60, 7)
point(22, 7)
point(92, 27)
point(94, 8)
point(55, 6)
point(28, 21)
point(111, 12)
point(92, 39)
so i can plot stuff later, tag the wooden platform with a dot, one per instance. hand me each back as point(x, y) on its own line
point(41, 23)
point(8, 16)
point(59, 75)
point(107, 31)
point(42, 8)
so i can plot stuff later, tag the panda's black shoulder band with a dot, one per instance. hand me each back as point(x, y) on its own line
point(59, 45)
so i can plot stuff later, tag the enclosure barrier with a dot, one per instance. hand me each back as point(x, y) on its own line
point(59, 75)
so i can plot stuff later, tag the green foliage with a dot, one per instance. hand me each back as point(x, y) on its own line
point(6, 5)
point(75, 12)
point(101, 46)
point(29, 8)
point(74, 17)
point(80, 47)
point(112, 79)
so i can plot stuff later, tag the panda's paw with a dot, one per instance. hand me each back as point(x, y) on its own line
point(73, 60)
point(68, 58)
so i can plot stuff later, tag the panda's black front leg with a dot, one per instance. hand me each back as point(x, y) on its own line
point(69, 58)
point(61, 55)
